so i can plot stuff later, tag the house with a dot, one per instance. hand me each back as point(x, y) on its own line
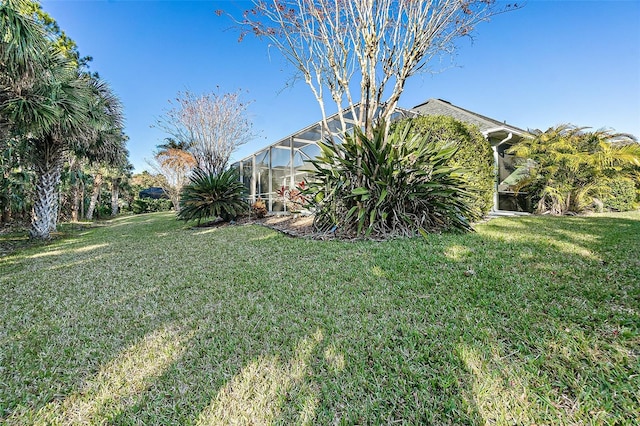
point(153, 192)
point(501, 136)
point(285, 163)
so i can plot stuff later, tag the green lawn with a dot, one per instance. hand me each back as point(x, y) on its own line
point(531, 320)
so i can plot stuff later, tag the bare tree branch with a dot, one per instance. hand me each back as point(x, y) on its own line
point(379, 43)
point(210, 126)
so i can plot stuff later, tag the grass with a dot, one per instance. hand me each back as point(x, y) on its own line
point(532, 320)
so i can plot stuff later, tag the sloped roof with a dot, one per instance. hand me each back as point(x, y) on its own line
point(442, 107)
point(313, 132)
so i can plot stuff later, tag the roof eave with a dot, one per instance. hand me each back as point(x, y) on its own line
point(499, 129)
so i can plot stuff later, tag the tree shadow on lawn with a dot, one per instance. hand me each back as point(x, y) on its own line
point(411, 346)
point(67, 309)
point(458, 329)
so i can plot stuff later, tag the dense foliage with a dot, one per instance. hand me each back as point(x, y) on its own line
point(474, 155)
point(616, 194)
point(150, 205)
point(211, 195)
point(16, 183)
point(571, 165)
point(369, 187)
point(53, 107)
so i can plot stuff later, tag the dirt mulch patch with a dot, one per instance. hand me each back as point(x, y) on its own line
point(292, 225)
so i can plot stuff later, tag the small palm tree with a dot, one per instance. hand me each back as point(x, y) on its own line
point(569, 162)
point(175, 165)
point(211, 196)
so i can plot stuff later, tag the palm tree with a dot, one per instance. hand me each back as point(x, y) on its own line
point(90, 123)
point(24, 54)
point(56, 107)
point(569, 162)
point(171, 143)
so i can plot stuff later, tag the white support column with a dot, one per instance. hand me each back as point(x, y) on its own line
point(496, 174)
point(292, 169)
point(254, 176)
point(269, 186)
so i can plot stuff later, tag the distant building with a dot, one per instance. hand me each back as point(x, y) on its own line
point(153, 192)
point(285, 163)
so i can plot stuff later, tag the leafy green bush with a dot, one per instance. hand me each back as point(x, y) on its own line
point(617, 194)
point(366, 186)
point(150, 205)
point(634, 175)
point(16, 189)
point(210, 196)
point(474, 154)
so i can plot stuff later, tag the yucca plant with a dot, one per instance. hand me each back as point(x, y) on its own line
point(210, 196)
point(369, 187)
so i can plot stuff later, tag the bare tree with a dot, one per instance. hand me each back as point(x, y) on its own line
point(332, 43)
point(210, 127)
point(175, 165)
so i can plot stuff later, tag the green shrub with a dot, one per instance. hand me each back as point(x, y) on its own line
point(103, 211)
point(210, 196)
point(150, 205)
point(474, 154)
point(366, 186)
point(617, 194)
point(571, 166)
point(635, 177)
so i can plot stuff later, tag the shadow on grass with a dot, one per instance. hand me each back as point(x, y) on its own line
point(116, 385)
point(527, 321)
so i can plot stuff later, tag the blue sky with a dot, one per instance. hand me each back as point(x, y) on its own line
point(551, 62)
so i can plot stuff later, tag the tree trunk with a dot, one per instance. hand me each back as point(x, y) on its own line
point(75, 188)
point(57, 208)
point(176, 202)
point(97, 185)
point(75, 206)
point(5, 213)
point(82, 197)
point(48, 168)
point(115, 193)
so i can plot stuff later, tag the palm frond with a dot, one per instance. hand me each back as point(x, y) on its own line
point(209, 196)
point(572, 159)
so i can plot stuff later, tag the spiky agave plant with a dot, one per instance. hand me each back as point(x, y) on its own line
point(401, 186)
point(209, 196)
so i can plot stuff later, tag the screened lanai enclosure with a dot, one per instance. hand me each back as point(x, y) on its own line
point(276, 171)
point(270, 174)
point(279, 167)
